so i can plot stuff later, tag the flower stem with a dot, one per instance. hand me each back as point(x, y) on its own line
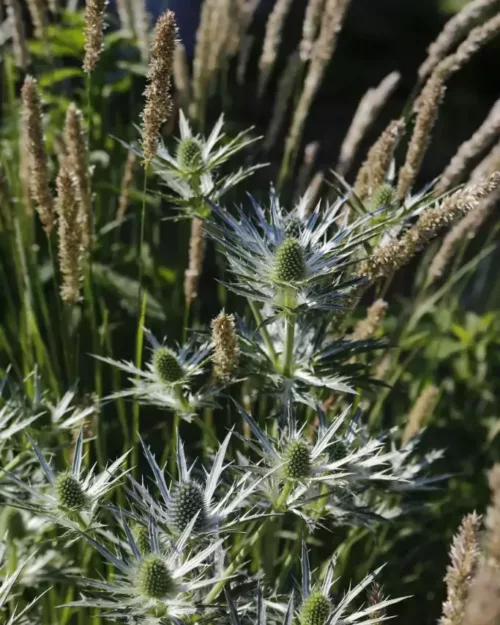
point(284, 495)
point(263, 330)
point(289, 344)
point(237, 560)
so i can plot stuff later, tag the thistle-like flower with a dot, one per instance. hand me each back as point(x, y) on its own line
point(148, 588)
point(192, 172)
point(291, 260)
point(206, 503)
point(168, 378)
point(68, 497)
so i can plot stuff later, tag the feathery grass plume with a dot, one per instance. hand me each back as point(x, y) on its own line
point(193, 272)
point(225, 346)
point(323, 49)
point(286, 85)
point(77, 164)
point(220, 28)
point(141, 23)
point(37, 155)
point(372, 173)
point(241, 15)
point(24, 169)
point(272, 41)
point(124, 10)
point(480, 141)
point(181, 75)
point(489, 165)
point(200, 68)
point(429, 101)
point(310, 153)
point(368, 110)
point(245, 51)
point(383, 367)
point(483, 605)
point(313, 191)
point(465, 229)
point(391, 256)
point(19, 47)
point(310, 28)
point(127, 180)
point(94, 33)
point(464, 555)
point(158, 97)
point(376, 597)
point(368, 326)
point(38, 13)
point(69, 239)
point(427, 113)
point(420, 413)
point(456, 28)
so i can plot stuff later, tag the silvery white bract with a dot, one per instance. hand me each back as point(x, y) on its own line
point(325, 240)
point(148, 588)
point(316, 606)
point(192, 173)
point(70, 497)
point(171, 389)
point(8, 581)
point(319, 361)
point(217, 506)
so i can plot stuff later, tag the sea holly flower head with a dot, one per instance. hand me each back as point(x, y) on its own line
point(291, 259)
point(70, 497)
point(151, 586)
point(192, 172)
point(168, 379)
point(199, 501)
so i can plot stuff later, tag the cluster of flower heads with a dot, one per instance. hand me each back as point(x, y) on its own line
point(294, 260)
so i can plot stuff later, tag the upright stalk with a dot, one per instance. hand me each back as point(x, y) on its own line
point(262, 329)
point(289, 343)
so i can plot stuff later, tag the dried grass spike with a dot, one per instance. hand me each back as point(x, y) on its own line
point(420, 413)
point(38, 13)
point(368, 326)
point(158, 97)
point(225, 341)
point(480, 141)
point(272, 41)
point(94, 33)
point(456, 28)
point(19, 47)
point(464, 554)
point(368, 110)
point(127, 180)
point(77, 149)
point(69, 240)
point(195, 266)
point(37, 157)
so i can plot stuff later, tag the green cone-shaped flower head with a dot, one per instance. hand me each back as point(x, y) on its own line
point(69, 491)
point(298, 460)
point(383, 196)
point(289, 261)
point(315, 610)
point(189, 154)
point(153, 577)
point(187, 501)
point(167, 365)
point(142, 540)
